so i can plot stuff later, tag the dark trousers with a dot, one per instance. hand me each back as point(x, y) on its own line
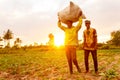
point(94, 56)
point(71, 58)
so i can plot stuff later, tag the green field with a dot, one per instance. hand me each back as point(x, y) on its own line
point(34, 64)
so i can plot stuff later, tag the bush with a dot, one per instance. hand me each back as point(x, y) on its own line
point(109, 74)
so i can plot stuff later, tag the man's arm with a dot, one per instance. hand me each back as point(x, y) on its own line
point(95, 36)
point(79, 25)
point(60, 25)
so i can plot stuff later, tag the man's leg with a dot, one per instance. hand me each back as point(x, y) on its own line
point(74, 59)
point(68, 55)
point(86, 55)
point(94, 55)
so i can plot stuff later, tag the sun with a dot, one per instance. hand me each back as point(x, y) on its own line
point(59, 39)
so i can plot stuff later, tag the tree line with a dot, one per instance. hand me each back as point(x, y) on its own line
point(115, 38)
point(8, 35)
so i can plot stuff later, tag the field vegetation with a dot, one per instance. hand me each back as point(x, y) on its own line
point(51, 64)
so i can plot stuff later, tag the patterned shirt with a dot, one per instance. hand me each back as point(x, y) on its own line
point(90, 39)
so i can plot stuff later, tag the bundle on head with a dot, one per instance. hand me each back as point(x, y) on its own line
point(70, 13)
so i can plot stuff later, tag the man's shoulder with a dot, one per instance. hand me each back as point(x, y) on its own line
point(93, 29)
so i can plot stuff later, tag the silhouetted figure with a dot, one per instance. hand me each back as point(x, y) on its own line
point(51, 39)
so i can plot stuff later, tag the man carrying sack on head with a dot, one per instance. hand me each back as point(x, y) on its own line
point(68, 16)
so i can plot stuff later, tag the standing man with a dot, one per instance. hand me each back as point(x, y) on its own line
point(71, 42)
point(90, 45)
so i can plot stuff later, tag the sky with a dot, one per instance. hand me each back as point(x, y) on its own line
point(33, 20)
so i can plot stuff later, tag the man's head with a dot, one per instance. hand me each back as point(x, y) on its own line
point(69, 24)
point(87, 24)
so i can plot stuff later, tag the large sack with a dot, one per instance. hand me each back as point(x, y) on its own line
point(70, 13)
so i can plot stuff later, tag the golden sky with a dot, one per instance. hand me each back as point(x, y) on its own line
point(33, 20)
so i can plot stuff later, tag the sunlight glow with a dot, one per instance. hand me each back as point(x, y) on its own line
point(59, 39)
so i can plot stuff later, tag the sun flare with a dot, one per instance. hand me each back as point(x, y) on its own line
point(59, 39)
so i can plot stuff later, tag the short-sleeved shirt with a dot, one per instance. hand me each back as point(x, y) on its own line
point(90, 39)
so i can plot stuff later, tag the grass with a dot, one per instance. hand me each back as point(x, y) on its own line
point(52, 65)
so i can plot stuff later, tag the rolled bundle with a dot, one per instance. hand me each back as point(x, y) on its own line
point(70, 13)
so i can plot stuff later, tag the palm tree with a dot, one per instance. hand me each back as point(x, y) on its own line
point(7, 36)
